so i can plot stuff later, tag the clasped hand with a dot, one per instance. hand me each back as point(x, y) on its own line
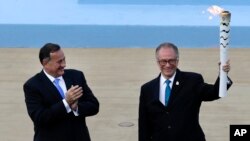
point(72, 96)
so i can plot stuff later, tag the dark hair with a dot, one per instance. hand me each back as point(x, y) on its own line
point(46, 50)
point(167, 45)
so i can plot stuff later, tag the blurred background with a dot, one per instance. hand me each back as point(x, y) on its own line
point(119, 23)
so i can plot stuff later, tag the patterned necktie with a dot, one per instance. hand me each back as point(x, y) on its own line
point(56, 82)
point(167, 92)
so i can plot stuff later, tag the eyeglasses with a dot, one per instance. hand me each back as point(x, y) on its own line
point(170, 62)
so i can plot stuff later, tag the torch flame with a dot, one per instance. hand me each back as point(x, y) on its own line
point(215, 10)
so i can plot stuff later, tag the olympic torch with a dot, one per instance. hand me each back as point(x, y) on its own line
point(224, 42)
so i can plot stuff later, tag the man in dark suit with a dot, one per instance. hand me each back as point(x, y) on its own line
point(58, 100)
point(170, 104)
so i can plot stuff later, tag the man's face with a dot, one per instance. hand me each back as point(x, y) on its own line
point(167, 61)
point(55, 66)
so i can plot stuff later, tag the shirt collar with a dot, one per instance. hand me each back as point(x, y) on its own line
point(163, 79)
point(51, 78)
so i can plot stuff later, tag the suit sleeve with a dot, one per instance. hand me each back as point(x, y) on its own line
point(88, 104)
point(211, 92)
point(144, 124)
point(40, 111)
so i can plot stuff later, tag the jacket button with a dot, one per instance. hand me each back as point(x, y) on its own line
point(169, 127)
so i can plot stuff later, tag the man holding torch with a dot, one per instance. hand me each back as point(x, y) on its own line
point(169, 104)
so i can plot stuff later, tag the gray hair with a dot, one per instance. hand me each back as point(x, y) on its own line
point(167, 45)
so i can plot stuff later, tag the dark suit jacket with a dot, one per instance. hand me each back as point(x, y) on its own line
point(47, 111)
point(179, 121)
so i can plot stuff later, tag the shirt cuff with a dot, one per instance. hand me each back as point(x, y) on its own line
point(66, 105)
point(76, 112)
point(68, 109)
point(229, 81)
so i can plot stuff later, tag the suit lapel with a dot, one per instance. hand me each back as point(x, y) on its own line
point(177, 86)
point(156, 91)
point(68, 80)
point(49, 86)
point(156, 87)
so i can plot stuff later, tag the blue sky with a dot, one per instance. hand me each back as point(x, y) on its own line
point(71, 12)
point(168, 2)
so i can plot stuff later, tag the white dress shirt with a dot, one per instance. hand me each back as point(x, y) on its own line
point(163, 87)
point(64, 88)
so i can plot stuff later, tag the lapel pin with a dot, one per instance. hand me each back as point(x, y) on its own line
point(177, 83)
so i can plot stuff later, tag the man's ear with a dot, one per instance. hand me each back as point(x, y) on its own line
point(45, 61)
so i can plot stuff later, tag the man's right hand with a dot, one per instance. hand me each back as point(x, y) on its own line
point(73, 94)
